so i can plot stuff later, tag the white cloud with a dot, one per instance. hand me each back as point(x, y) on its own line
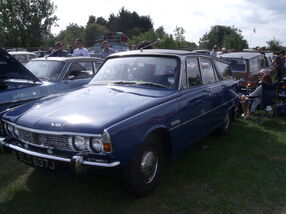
point(196, 17)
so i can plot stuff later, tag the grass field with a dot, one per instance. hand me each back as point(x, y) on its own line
point(243, 172)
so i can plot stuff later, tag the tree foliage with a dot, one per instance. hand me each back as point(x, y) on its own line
point(160, 39)
point(129, 22)
point(223, 36)
point(72, 32)
point(274, 45)
point(92, 30)
point(25, 23)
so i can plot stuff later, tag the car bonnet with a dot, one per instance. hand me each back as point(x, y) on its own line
point(10, 68)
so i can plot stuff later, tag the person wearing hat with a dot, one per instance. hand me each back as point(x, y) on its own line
point(214, 51)
point(106, 49)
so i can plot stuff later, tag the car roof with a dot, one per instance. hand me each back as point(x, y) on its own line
point(75, 59)
point(155, 52)
point(21, 52)
point(244, 55)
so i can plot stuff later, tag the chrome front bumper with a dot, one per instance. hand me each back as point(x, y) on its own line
point(77, 159)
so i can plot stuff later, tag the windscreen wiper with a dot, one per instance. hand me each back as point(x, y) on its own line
point(151, 84)
point(124, 82)
point(139, 83)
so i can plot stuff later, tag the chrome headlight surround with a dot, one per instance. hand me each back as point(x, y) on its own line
point(79, 143)
point(97, 144)
point(16, 132)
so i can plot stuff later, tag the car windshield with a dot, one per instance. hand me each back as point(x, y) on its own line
point(139, 70)
point(46, 70)
point(237, 65)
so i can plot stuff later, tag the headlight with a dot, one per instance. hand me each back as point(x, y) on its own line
point(10, 129)
point(79, 142)
point(96, 145)
point(16, 132)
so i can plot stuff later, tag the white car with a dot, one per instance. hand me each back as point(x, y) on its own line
point(23, 56)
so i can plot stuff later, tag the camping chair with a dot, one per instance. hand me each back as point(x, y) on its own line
point(267, 106)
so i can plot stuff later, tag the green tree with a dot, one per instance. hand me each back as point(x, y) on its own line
point(274, 45)
point(223, 36)
point(26, 23)
point(92, 31)
point(126, 21)
point(72, 32)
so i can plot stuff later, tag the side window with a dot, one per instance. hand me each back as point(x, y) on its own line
point(97, 65)
point(261, 62)
point(223, 69)
point(207, 71)
point(79, 70)
point(32, 56)
point(193, 72)
point(253, 64)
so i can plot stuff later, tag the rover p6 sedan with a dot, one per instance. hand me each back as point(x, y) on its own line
point(140, 108)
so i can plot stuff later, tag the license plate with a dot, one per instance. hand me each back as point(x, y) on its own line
point(34, 161)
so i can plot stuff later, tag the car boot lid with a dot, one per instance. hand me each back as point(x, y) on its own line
point(13, 70)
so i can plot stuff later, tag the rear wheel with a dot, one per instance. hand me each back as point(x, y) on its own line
point(142, 176)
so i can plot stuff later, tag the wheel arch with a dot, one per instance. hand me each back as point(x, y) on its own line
point(165, 139)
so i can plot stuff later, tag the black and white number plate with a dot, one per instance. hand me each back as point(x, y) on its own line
point(39, 162)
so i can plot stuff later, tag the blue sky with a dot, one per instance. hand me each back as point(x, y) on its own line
point(196, 17)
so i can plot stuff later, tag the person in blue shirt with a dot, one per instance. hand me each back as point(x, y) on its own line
point(106, 50)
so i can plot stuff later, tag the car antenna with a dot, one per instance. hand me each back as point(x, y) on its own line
point(56, 50)
point(150, 44)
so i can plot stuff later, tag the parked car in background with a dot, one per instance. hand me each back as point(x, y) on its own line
point(140, 108)
point(246, 67)
point(41, 53)
point(23, 56)
point(42, 77)
point(117, 41)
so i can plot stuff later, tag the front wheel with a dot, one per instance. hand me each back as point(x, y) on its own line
point(142, 176)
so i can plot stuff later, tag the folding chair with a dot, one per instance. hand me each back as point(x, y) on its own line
point(267, 106)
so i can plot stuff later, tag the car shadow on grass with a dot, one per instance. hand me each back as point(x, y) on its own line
point(237, 173)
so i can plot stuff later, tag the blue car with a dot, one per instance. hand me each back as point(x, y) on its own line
point(140, 108)
point(42, 77)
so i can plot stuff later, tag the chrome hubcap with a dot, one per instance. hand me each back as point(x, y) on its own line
point(149, 166)
point(226, 121)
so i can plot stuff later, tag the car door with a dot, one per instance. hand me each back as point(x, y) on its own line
point(192, 105)
point(211, 83)
point(77, 74)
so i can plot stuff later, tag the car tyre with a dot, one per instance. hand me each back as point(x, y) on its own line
point(141, 177)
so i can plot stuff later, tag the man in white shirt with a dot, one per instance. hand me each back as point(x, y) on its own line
point(214, 51)
point(80, 50)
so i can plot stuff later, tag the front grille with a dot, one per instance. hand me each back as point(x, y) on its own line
point(55, 141)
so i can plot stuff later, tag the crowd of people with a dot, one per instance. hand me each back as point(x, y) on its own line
point(63, 51)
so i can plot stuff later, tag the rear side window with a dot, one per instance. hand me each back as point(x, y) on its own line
point(253, 64)
point(207, 71)
point(79, 70)
point(223, 69)
point(193, 72)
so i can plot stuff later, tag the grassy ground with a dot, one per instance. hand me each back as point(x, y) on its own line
point(243, 172)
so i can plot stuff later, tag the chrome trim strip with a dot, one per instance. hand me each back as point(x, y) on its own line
point(88, 163)
point(171, 129)
point(19, 149)
point(52, 132)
